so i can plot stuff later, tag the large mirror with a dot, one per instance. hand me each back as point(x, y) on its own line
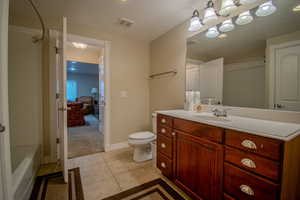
point(255, 65)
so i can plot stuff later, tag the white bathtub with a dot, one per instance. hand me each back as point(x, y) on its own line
point(25, 163)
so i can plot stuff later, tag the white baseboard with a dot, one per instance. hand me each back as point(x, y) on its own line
point(117, 146)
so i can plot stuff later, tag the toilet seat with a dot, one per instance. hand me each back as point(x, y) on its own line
point(142, 135)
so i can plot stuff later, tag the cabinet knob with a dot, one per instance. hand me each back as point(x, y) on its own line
point(163, 130)
point(248, 163)
point(247, 190)
point(249, 144)
point(163, 145)
point(163, 120)
point(163, 165)
point(173, 133)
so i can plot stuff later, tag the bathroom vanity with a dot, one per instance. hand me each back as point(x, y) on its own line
point(214, 158)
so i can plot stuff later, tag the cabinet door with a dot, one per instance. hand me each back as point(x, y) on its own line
point(198, 166)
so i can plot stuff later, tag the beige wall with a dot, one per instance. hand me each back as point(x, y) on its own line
point(25, 88)
point(129, 68)
point(168, 52)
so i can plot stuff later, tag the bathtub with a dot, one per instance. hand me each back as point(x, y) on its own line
point(25, 163)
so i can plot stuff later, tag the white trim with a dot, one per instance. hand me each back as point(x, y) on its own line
point(5, 161)
point(107, 109)
point(271, 69)
point(116, 146)
point(90, 41)
point(244, 65)
point(194, 61)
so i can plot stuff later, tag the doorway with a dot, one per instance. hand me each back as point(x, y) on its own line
point(85, 96)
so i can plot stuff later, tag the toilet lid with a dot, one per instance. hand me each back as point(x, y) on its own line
point(141, 135)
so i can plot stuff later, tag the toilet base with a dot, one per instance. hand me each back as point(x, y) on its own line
point(142, 153)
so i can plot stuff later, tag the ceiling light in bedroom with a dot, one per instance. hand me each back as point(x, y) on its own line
point(212, 32)
point(266, 9)
point(79, 45)
point(72, 69)
point(227, 26)
point(244, 18)
point(227, 7)
point(195, 23)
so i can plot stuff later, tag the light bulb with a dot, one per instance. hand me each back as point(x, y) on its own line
point(244, 18)
point(212, 32)
point(227, 7)
point(266, 9)
point(195, 23)
point(227, 26)
point(209, 15)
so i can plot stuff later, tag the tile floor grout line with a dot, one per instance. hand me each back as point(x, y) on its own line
point(119, 185)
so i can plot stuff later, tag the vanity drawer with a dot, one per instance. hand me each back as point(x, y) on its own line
point(267, 147)
point(164, 130)
point(197, 129)
point(164, 120)
point(165, 165)
point(244, 185)
point(252, 162)
point(164, 145)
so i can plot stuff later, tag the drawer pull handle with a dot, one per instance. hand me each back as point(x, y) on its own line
point(247, 190)
point(249, 144)
point(163, 120)
point(163, 165)
point(249, 163)
point(163, 130)
point(163, 145)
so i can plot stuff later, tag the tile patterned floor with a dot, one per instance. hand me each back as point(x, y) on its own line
point(106, 174)
point(84, 140)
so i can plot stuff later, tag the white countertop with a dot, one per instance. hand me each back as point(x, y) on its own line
point(271, 129)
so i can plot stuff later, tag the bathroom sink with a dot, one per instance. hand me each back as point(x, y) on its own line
point(211, 117)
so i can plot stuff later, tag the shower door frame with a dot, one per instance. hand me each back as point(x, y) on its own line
point(5, 156)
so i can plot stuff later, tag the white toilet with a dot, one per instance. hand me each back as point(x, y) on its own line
point(143, 143)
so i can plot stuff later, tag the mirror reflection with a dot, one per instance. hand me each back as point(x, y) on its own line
point(254, 64)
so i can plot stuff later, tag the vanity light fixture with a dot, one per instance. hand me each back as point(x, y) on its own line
point(244, 18)
point(210, 13)
point(296, 8)
point(195, 23)
point(212, 32)
point(246, 2)
point(227, 26)
point(266, 9)
point(227, 7)
point(79, 45)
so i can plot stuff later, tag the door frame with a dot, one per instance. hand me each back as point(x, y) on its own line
point(106, 45)
point(271, 71)
point(5, 156)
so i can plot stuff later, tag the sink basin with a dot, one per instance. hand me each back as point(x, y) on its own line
point(211, 117)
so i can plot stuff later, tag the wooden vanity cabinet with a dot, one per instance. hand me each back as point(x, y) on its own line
point(212, 163)
point(198, 166)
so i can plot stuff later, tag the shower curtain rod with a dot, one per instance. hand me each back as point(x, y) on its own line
point(37, 39)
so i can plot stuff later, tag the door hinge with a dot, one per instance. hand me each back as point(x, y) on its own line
point(57, 141)
point(2, 128)
point(56, 50)
point(57, 95)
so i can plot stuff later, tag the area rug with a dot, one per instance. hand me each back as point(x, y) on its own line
point(52, 187)
point(153, 190)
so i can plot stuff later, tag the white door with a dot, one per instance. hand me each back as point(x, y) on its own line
point(287, 78)
point(211, 80)
point(5, 162)
point(62, 109)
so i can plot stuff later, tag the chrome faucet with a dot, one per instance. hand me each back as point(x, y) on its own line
point(220, 113)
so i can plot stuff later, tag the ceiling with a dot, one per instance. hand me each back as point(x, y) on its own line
point(82, 68)
point(248, 40)
point(152, 17)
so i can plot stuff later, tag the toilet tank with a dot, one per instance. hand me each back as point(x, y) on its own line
point(154, 123)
